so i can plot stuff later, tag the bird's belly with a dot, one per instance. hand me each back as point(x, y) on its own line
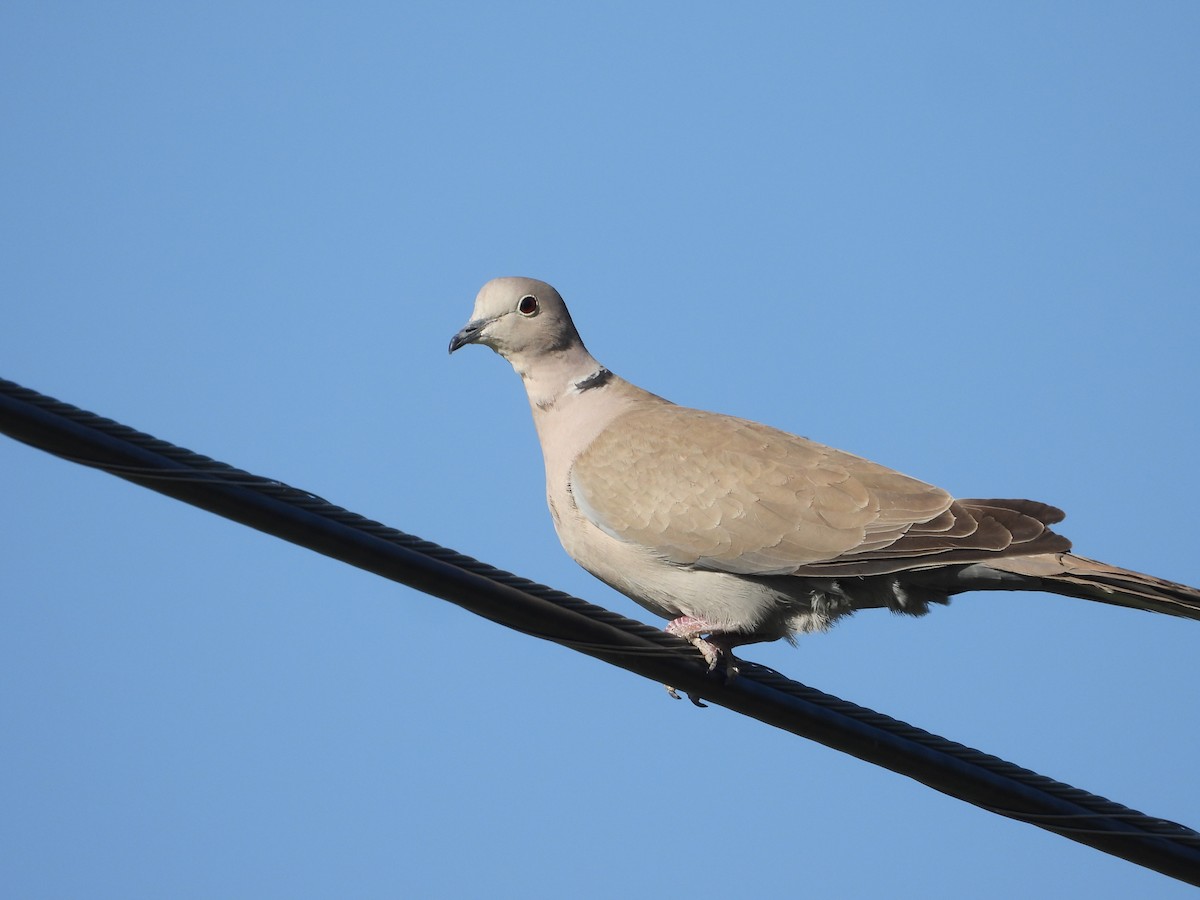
point(731, 602)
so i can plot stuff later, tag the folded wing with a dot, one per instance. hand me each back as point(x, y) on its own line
point(717, 492)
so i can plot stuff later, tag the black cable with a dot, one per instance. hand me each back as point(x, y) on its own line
point(535, 609)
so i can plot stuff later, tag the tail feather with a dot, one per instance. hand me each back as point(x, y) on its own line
point(1077, 576)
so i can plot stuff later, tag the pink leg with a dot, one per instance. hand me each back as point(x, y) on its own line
point(713, 648)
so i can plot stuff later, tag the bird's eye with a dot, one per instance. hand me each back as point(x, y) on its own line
point(528, 305)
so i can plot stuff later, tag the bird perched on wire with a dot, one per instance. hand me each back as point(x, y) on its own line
point(738, 532)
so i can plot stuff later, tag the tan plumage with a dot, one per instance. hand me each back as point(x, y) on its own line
point(742, 532)
point(736, 496)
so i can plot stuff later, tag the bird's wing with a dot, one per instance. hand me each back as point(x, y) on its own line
point(723, 493)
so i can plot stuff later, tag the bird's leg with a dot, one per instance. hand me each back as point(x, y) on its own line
point(715, 648)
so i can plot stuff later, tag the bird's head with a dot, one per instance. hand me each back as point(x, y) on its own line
point(521, 319)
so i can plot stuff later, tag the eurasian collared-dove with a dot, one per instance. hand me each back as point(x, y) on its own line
point(738, 532)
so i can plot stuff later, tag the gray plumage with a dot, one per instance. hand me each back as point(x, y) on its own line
point(739, 532)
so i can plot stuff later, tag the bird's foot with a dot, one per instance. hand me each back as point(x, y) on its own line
point(716, 648)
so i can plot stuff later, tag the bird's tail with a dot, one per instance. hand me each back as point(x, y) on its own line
point(1077, 576)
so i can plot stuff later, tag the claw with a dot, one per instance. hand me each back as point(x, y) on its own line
point(675, 694)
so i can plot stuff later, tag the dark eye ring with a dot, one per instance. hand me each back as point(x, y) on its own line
point(528, 305)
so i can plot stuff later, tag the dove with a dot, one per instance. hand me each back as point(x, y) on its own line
point(737, 532)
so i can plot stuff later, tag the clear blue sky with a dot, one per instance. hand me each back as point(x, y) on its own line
point(960, 239)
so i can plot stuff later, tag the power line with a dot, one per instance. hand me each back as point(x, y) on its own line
point(308, 520)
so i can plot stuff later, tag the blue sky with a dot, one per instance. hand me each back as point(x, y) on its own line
point(959, 239)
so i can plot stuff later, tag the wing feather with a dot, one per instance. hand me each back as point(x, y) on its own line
point(729, 494)
point(722, 493)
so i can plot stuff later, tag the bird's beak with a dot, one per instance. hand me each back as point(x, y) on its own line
point(470, 333)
